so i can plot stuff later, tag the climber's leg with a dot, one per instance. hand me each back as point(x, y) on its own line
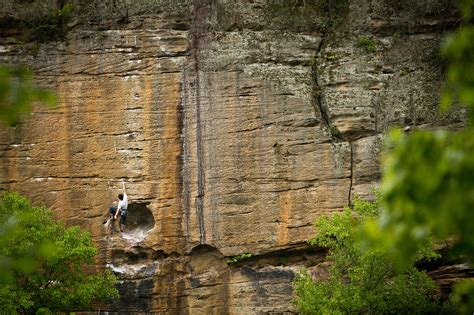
point(123, 219)
point(110, 221)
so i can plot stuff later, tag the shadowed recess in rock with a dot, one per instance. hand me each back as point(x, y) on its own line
point(137, 254)
point(140, 221)
point(135, 295)
point(130, 264)
point(203, 249)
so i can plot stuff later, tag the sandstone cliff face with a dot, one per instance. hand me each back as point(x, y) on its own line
point(234, 125)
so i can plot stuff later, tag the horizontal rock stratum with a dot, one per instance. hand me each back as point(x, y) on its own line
point(234, 124)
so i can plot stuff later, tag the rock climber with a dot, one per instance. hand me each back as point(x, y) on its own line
point(121, 208)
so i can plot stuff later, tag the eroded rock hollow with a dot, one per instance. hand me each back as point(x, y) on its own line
point(234, 124)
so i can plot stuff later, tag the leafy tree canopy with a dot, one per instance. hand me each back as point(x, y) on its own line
point(43, 262)
point(363, 282)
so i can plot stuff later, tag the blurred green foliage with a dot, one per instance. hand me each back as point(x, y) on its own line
point(458, 50)
point(18, 92)
point(367, 43)
point(237, 258)
point(428, 176)
point(43, 262)
point(363, 282)
point(427, 187)
point(335, 132)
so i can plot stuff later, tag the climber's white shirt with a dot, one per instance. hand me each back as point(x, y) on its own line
point(123, 204)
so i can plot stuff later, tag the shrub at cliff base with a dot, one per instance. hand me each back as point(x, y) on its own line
point(363, 282)
point(42, 262)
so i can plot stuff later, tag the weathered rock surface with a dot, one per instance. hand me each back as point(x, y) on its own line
point(233, 124)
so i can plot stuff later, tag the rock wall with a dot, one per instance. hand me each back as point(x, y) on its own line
point(233, 123)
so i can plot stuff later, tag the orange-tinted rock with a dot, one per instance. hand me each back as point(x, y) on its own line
point(232, 128)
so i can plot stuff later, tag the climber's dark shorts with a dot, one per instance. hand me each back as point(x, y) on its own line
point(112, 211)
